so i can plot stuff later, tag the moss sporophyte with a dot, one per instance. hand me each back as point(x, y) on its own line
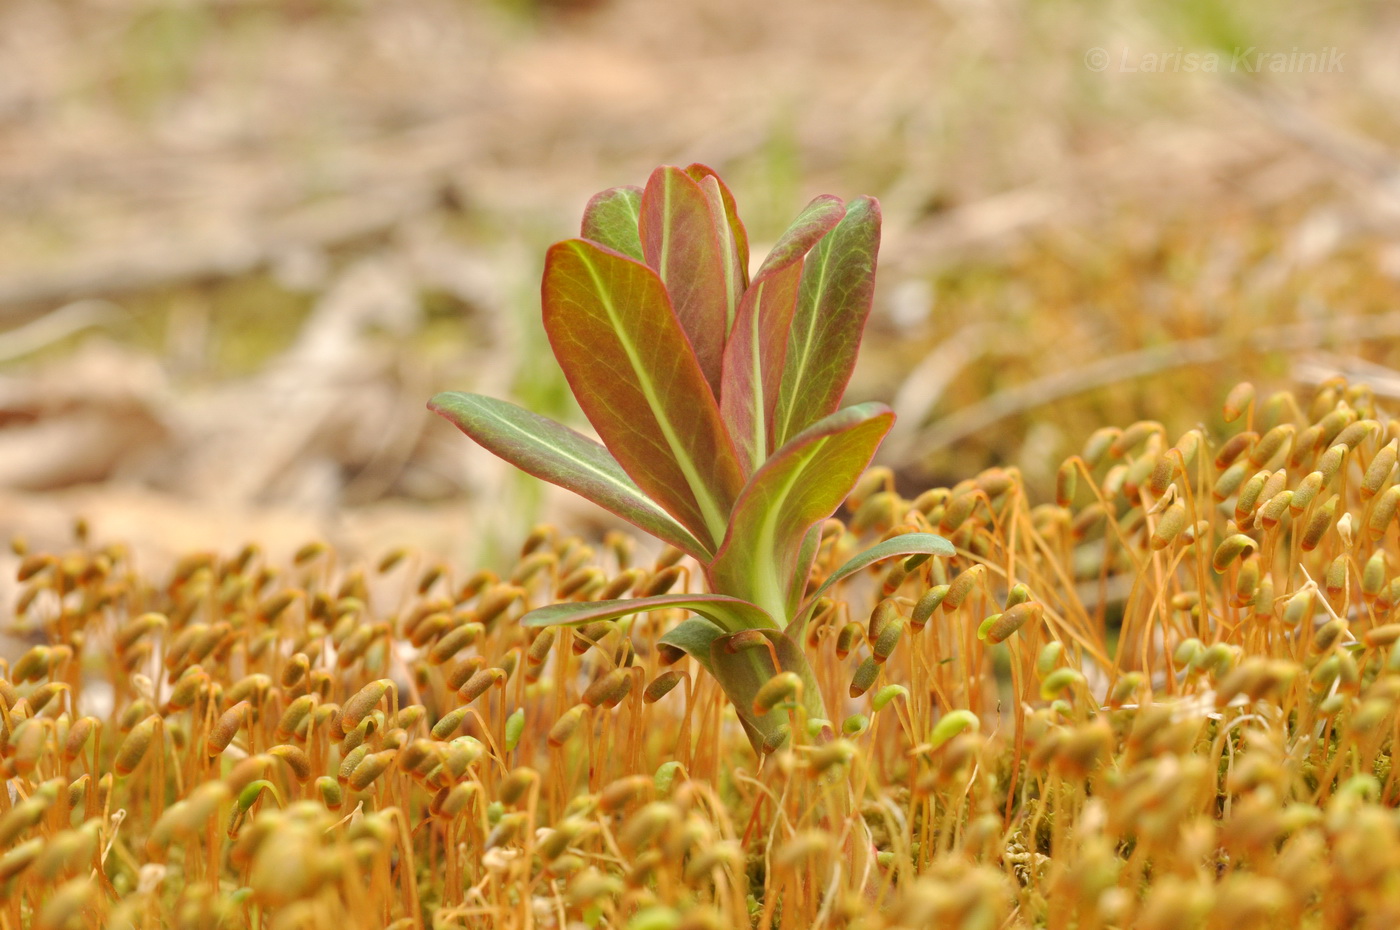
point(243, 741)
point(717, 398)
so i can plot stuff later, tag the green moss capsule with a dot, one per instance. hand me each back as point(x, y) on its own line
point(609, 689)
point(1058, 681)
point(1234, 447)
point(781, 687)
point(1169, 526)
point(1230, 549)
point(1240, 399)
point(134, 747)
point(1250, 495)
point(1230, 480)
point(952, 724)
point(887, 694)
point(1274, 444)
point(1014, 619)
point(1318, 525)
point(661, 686)
point(1067, 482)
point(962, 586)
point(1383, 512)
point(889, 639)
point(864, 677)
point(1306, 492)
point(1373, 575)
point(1379, 471)
point(847, 638)
point(926, 605)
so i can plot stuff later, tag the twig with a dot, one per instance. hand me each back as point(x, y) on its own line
point(52, 327)
point(320, 226)
point(1062, 384)
point(1322, 366)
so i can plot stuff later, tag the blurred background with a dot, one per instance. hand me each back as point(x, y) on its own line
point(243, 241)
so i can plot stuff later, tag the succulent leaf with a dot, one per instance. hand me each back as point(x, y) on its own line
point(680, 240)
point(693, 636)
point(632, 369)
point(838, 282)
point(802, 484)
point(742, 671)
point(611, 219)
point(730, 613)
point(541, 447)
point(737, 233)
point(903, 544)
point(753, 356)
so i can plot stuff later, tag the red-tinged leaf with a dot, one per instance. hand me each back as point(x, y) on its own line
point(637, 380)
point(734, 276)
point(743, 670)
point(730, 613)
point(753, 362)
point(753, 356)
point(901, 545)
point(611, 219)
point(733, 238)
point(802, 484)
point(737, 233)
point(679, 241)
point(838, 281)
point(546, 449)
point(816, 220)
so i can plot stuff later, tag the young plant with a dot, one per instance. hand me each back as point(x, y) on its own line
point(716, 396)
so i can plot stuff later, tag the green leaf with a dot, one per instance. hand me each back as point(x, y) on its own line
point(693, 636)
point(744, 670)
point(730, 613)
point(753, 356)
point(611, 219)
point(541, 447)
point(904, 544)
point(806, 556)
point(679, 238)
point(632, 369)
point(801, 485)
point(838, 282)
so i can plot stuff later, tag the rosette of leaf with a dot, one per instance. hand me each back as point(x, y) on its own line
point(716, 397)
